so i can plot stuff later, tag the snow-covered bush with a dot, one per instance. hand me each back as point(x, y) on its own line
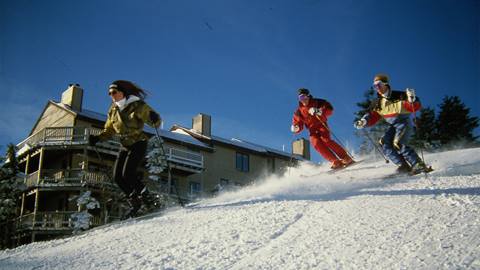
point(81, 220)
point(156, 159)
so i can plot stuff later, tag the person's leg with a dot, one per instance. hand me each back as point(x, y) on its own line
point(136, 155)
point(118, 173)
point(322, 148)
point(337, 149)
point(387, 142)
point(402, 136)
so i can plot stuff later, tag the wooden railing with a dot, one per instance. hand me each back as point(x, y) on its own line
point(67, 177)
point(46, 220)
point(59, 220)
point(188, 158)
point(65, 136)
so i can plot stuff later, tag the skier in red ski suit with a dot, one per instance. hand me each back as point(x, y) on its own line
point(313, 113)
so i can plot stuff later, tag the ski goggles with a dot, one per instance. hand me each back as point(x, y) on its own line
point(303, 97)
point(377, 84)
point(112, 89)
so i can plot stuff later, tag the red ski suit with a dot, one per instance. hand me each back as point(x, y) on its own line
point(319, 130)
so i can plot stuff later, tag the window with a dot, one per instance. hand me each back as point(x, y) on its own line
point(242, 162)
point(195, 188)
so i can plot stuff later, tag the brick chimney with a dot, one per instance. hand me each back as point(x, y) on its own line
point(301, 147)
point(202, 124)
point(73, 97)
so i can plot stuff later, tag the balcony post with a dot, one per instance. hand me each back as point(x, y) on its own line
point(25, 182)
point(40, 165)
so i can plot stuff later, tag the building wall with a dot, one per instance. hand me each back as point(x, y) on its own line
point(221, 164)
point(54, 117)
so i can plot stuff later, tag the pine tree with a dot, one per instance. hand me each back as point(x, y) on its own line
point(454, 122)
point(426, 135)
point(376, 131)
point(81, 220)
point(11, 187)
point(156, 159)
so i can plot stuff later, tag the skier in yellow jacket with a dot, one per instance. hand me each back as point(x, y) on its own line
point(395, 108)
point(126, 118)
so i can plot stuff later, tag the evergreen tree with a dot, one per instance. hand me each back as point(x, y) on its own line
point(81, 220)
point(156, 159)
point(426, 135)
point(11, 187)
point(376, 131)
point(454, 122)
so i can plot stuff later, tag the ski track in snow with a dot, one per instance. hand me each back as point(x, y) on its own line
point(353, 219)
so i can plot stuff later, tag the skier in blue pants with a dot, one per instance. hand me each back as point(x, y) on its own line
point(395, 107)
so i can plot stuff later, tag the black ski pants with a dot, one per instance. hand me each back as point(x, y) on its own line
point(125, 170)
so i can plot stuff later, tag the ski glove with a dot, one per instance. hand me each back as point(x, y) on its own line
point(295, 128)
point(315, 111)
point(93, 139)
point(360, 123)
point(154, 117)
point(410, 94)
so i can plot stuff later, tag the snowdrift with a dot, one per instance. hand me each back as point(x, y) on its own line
point(307, 219)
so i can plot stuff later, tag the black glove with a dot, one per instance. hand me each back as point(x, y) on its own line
point(93, 139)
point(154, 117)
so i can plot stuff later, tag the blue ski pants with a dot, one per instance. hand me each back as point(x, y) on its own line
point(394, 142)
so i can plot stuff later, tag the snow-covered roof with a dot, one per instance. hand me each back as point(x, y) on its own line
point(251, 146)
point(239, 143)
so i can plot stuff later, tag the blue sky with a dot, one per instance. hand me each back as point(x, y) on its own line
point(239, 61)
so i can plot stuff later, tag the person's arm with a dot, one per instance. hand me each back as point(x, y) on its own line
point(411, 102)
point(149, 116)
point(297, 122)
point(108, 130)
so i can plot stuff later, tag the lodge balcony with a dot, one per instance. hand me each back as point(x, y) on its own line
point(74, 178)
point(185, 161)
point(58, 221)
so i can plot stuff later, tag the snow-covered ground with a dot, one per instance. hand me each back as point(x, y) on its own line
point(355, 219)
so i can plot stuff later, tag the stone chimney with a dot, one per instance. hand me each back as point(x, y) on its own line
point(202, 124)
point(301, 147)
point(73, 97)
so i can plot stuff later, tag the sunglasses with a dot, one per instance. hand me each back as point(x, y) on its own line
point(303, 97)
point(378, 84)
point(112, 92)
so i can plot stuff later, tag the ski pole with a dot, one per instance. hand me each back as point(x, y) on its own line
point(376, 146)
point(336, 138)
point(414, 113)
point(160, 141)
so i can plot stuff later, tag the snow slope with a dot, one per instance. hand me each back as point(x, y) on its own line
point(354, 219)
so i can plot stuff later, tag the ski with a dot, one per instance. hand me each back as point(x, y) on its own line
point(353, 164)
point(397, 175)
point(332, 171)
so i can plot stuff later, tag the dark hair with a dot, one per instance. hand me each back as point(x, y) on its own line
point(303, 91)
point(128, 88)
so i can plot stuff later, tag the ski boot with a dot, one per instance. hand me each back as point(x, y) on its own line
point(420, 167)
point(135, 204)
point(404, 168)
point(337, 164)
point(347, 161)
